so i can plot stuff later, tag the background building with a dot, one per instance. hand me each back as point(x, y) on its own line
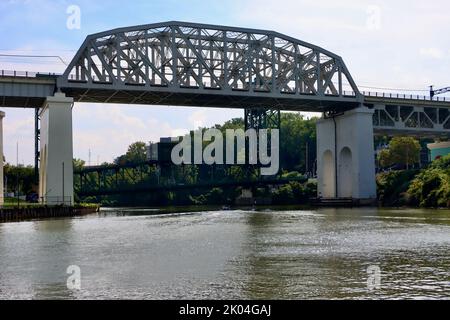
point(439, 149)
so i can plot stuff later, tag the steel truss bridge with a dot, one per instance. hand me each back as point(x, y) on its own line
point(155, 176)
point(188, 64)
point(178, 63)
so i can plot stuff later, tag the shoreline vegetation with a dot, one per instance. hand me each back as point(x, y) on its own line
point(424, 188)
point(416, 188)
point(428, 187)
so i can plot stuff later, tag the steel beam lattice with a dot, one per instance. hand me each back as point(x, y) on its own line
point(415, 119)
point(189, 64)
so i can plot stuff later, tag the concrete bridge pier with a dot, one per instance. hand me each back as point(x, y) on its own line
point(2, 115)
point(345, 156)
point(56, 151)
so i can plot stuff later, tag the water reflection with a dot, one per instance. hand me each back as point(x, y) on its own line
point(231, 254)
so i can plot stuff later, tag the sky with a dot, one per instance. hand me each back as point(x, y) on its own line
point(401, 45)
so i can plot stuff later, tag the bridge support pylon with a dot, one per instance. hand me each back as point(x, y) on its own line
point(2, 192)
point(346, 157)
point(56, 151)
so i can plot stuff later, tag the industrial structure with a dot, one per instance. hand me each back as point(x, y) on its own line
point(188, 64)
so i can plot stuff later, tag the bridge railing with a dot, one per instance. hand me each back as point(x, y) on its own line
point(403, 96)
point(376, 94)
point(25, 74)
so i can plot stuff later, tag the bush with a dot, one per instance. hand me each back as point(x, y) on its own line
point(294, 193)
point(426, 188)
point(431, 188)
point(292, 175)
point(392, 187)
point(283, 195)
point(215, 196)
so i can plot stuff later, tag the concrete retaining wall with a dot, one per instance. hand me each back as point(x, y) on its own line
point(21, 214)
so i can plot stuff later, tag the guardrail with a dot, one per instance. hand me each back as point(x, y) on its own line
point(25, 74)
point(403, 96)
point(375, 94)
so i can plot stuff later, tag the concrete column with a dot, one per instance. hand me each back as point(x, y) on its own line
point(345, 156)
point(2, 192)
point(56, 150)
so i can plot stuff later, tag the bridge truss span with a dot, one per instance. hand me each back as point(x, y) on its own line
point(413, 119)
point(203, 65)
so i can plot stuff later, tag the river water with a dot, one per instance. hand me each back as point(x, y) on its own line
point(296, 254)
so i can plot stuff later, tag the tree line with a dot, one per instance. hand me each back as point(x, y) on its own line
point(398, 159)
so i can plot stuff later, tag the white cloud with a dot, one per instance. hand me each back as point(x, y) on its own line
point(198, 119)
point(108, 130)
point(370, 55)
point(18, 128)
point(434, 53)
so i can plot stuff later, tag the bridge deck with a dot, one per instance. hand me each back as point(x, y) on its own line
point(25, 90)
point(203, 97)
point(405, 99)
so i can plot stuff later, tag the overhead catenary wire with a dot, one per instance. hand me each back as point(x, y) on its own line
point(38, 50)
point(393, 89)
point(33, 56)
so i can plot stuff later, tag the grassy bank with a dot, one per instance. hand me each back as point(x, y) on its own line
point(13, 203)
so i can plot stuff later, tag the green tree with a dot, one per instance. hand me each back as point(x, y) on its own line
point(78, 164)
point(25, 176)
point(137, 153)
point(297, 142)
point(385, 158)
point(431, 188)
point(404, 151)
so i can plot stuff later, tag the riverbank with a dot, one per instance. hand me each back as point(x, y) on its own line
point(44, 212)
point(428, 187)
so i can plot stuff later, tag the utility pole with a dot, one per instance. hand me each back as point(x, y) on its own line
point(63, 184)
point(439, 91)
point(307, 159)
point(17, 174)
point(407, 157)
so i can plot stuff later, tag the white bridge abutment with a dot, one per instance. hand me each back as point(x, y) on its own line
point(56, 151)
point(2, 192)
point(346, 157)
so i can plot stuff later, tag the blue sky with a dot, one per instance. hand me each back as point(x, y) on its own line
point(388, 44)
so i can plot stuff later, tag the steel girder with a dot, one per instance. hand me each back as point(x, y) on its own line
point(411, 119)
point(261, 118)
point(206, 65)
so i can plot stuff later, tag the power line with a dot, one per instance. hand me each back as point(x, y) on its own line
point(31, 50)
point(382, 88)
point(33, 56)
point(396, 89)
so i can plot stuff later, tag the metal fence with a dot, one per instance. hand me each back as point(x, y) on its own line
point(53, 201)
point(403, 96)
point(25, 74)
